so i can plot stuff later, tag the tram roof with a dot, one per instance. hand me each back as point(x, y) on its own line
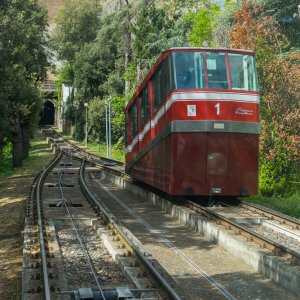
point(164, 54)
point(209, 49)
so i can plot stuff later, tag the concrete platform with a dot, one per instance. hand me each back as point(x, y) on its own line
point(279, 269)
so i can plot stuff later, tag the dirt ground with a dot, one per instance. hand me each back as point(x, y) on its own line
point(14, 191)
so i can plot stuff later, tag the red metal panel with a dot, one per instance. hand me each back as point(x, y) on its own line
point(169, 164)
point(243, 163)
point(202, 164)
point(160, 157)
point(135, 149)
point(146, 139)
point(154, 167)
point(217, 163)
point(189, 159)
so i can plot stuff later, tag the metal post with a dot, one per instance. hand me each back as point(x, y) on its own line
point(86, 123)
point(109, 127)
point(106, 127)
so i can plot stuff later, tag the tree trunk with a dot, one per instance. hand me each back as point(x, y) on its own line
point(128, 49)
point(80, 122)
point(1, 144)
point(17, 142)
point(138, 73)
point(25, 141)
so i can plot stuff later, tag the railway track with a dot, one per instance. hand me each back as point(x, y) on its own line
point(245, 219)
point(63, 256)
point(212, 286)
point(271, 230)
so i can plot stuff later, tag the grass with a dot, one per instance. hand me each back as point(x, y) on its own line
point(100, 149)
point(14, 187)
point(117, 154)
point(39, 155)
point(289, 205)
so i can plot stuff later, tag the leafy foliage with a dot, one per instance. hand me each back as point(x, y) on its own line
point(285, 13)
point(77, 24)
point(65, 74)
point(254, 30)
point(279, 81)
point(97, 119)
point(154, 32)
point(23, 56)
point(203, 24)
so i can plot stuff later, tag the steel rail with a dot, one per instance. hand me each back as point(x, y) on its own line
point(163, 283)
point(89, 259)
point(264, 242)
point(40, 226)
point(31, 209)
point(248, 234)
point(274, 215)
point(66, 204)
point(172, 246)
point(88, 154)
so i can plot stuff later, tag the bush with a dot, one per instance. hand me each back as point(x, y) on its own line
point(275, 175)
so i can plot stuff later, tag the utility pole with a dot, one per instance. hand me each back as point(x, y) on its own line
point(127, 44)
point(108, 127)
point(86, 123)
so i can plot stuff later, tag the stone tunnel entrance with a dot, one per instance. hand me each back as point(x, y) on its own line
point(48, 114)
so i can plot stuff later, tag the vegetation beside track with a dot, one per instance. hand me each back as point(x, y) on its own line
point(289, 205)
point(39, 152)
point(117, 152)
point(14, 188)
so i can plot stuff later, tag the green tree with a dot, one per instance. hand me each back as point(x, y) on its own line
point(97, 61)
point(3, 83)
point(99, 65)
point(154, 32)
point(77, 24)
point(285, 12)
point(24, 62)
point(97, 119)
point(280, 104)
point(203, 23)
point(222, 24)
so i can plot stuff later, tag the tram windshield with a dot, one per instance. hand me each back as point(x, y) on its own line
point(242, 72)
point(190, 73)
point(189, 70)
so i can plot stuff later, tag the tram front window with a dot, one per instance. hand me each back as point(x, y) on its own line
point(216, 71)
point(242, 72)
point(189, 70)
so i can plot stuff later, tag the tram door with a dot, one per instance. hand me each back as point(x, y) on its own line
point(217, 163)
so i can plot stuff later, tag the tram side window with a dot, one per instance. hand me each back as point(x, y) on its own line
point(242, 72)
point(168, 81)
point(145, 107)
point(133, 119)
point(216, 70)
point(157, 87)
point(189, 70)
point(127, 129)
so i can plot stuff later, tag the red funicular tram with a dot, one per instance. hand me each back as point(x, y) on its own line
point(193, 123)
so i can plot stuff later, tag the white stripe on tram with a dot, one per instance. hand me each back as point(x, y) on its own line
point(199, 97)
